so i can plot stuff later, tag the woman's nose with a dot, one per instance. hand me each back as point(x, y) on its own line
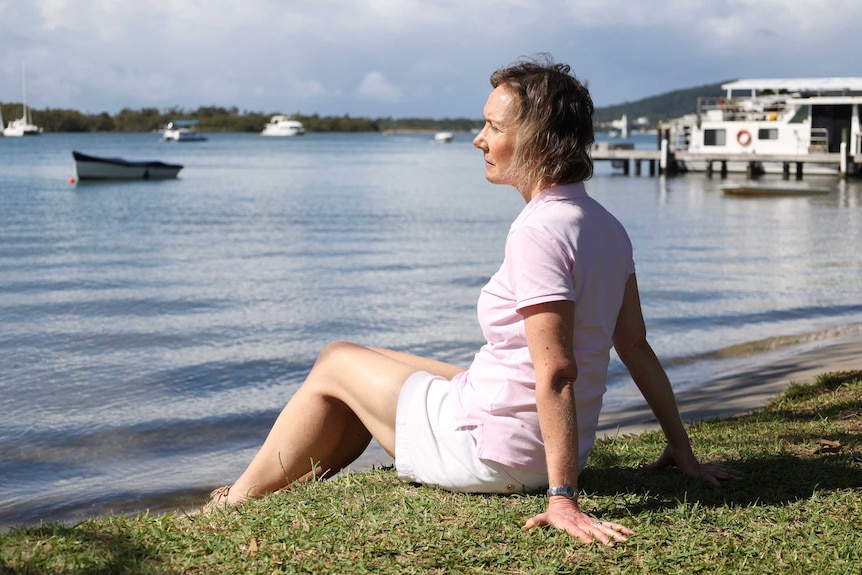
point(479, 140)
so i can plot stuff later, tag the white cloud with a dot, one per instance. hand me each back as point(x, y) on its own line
point(374, 86)
point(429, 57)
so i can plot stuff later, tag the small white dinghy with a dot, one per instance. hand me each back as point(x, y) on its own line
point(95, 168)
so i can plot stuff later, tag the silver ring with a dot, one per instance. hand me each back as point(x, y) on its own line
point(598, 523)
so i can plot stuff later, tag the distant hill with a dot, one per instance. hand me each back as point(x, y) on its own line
point(662, 107)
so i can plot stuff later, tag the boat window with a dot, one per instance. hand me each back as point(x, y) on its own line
point(714, 137)
point(767, 134)
point(800, 115)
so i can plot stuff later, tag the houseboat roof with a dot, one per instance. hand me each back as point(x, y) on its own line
point(797, 84)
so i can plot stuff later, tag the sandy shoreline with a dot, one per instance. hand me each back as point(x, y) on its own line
point(743, 391)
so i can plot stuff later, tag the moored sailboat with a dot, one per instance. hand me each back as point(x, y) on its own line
point(24, 125)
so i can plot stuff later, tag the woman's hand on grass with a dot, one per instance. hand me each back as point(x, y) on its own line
point(564, 514)
point(687, 463)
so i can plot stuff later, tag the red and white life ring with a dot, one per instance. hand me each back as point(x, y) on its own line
point(743, 137)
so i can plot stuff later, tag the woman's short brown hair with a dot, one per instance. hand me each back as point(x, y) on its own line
point(554, 115)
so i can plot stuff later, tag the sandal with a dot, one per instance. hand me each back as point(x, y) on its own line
point(218, 500)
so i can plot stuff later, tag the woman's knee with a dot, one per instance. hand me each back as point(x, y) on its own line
point(333, 363)
point(335, 352)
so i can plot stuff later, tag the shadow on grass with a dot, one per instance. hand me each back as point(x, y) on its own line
point(107, 552)
point(799, 471)
point(774, 480)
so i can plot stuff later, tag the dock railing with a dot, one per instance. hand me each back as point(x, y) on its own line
point(819, 140)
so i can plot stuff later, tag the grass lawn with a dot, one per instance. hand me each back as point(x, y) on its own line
point(796, 508)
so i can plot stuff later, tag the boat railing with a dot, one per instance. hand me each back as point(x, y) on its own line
point(741, 110)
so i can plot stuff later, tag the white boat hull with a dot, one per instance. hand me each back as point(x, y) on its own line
point(20, 127)
point(183, 136)
point(282, 133)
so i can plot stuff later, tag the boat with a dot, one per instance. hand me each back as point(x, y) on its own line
point(620, 128)
point(444, 137)
point(182, 131)
point(96, 168)
point(283, 126)
point(24, 125)
point(783, 189)
point(787, 119)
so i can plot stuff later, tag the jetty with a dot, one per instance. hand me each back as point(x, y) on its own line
point(664, 161)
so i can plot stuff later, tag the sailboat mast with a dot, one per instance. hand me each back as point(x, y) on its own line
point(24, 94)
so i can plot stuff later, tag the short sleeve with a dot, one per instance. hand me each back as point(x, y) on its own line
point(539, 267)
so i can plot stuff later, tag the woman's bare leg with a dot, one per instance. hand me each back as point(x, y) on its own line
point(349, 396)
point(446, 370)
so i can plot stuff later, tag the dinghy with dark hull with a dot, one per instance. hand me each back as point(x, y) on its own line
point(97, 168)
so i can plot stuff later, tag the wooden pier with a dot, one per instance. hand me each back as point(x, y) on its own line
point(665, 162)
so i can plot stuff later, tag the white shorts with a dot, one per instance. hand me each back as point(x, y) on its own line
point(432, 450)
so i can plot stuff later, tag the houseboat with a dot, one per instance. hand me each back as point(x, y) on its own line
point(773, 121)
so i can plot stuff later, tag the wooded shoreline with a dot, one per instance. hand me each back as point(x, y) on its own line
point(231, 119)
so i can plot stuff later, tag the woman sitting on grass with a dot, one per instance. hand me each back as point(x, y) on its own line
point(523, 416)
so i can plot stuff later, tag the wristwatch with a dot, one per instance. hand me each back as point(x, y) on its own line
point(564, 490)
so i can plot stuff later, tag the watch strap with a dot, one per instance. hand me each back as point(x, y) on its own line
point(563, 490)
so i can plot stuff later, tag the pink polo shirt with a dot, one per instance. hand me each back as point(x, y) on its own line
point(563, 246)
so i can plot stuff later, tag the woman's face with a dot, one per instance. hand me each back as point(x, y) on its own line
point(497, 138)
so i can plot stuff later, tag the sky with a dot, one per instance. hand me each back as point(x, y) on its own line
point(400, 58)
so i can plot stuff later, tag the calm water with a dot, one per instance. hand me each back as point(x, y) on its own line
point(151, 331)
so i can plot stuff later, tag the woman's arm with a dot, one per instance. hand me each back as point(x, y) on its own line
point(549, 338)
point(648, 374)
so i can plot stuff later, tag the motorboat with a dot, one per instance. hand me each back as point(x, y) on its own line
point(283, 126)
point(183, 131)
point(24, 125)
point(782, 189)
point(444, 137)
point(758, 118)
point(96, 168)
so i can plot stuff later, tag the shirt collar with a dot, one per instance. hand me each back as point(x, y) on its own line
point(561, 192)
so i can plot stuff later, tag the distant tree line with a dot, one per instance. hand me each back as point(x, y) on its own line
point(218, 119)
